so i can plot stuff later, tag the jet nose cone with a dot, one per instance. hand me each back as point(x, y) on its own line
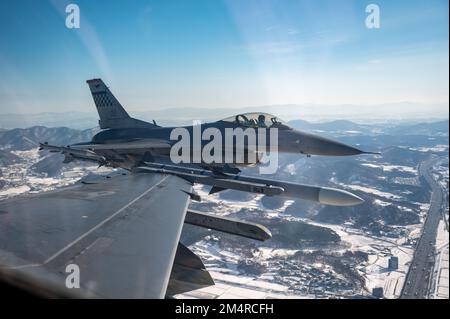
point(337, 197)
point(341, 149)
point(316, 145)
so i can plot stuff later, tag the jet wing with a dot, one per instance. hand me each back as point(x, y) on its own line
point(121, 232)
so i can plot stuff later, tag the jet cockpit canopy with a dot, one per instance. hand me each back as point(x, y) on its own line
point(257, 120)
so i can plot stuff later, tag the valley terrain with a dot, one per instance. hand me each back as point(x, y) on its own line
point(316, 251)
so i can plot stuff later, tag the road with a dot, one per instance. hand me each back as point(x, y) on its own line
point(418, 277)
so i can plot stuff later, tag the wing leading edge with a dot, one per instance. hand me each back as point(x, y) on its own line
point(122, 233)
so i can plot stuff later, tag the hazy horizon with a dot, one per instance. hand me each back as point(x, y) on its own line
point(183, 116)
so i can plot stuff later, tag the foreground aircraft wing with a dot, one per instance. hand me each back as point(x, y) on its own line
point(121, 232)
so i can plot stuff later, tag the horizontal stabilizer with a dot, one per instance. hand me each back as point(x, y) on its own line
point(73, 153)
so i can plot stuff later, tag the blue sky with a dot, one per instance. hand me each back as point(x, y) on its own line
point(215, 53)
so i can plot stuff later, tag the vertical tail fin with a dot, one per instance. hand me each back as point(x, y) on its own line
point(110, 111)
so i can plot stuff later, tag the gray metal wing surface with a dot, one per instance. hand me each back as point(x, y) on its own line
point(121, 232)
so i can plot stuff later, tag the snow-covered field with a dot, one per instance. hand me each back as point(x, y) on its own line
point(373, 191)
point(392, 168)
point(435, 149)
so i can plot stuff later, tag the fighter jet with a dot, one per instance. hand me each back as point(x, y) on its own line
point(122, 232)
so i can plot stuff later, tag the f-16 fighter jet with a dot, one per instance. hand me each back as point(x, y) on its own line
point(122, 233)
